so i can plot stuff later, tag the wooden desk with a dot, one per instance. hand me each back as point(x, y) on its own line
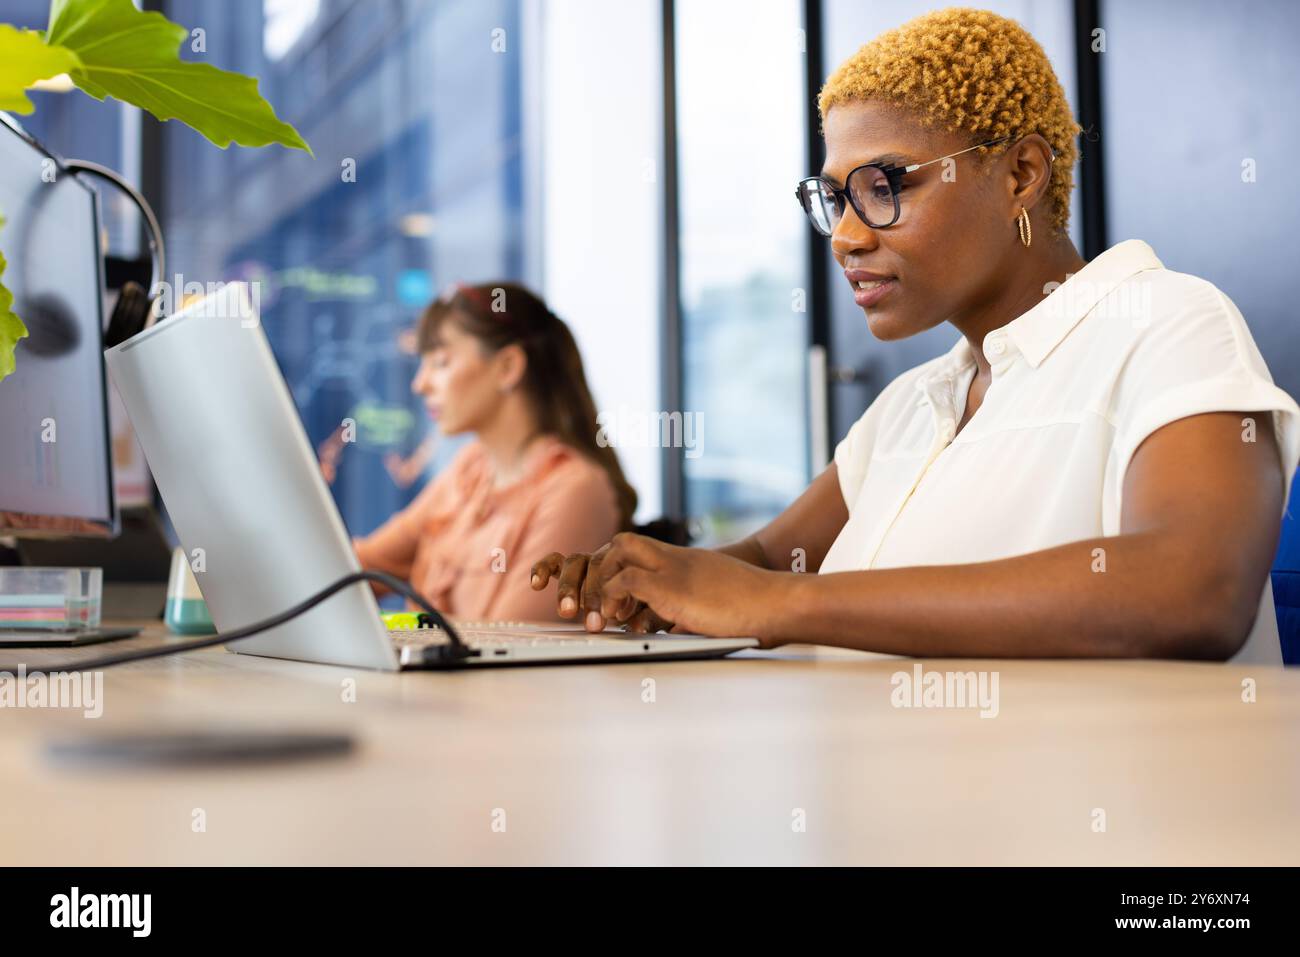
point(711, 772)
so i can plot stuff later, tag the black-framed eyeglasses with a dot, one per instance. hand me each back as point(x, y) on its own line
point(871, 189)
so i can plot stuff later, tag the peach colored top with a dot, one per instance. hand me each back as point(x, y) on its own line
point(469, 547)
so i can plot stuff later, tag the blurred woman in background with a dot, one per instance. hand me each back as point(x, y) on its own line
point(495, 361)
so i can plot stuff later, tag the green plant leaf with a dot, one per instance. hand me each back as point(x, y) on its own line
point(11, 327)
point(24, 59)
point(134, 57)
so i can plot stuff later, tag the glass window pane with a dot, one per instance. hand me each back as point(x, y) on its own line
point(417, 180)
point(743, 259)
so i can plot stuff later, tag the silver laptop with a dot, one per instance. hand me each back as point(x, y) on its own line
point(244, 490)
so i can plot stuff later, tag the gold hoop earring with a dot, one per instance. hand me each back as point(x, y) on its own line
point(1026, 231)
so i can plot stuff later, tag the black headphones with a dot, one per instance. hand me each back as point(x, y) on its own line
point(135, 308)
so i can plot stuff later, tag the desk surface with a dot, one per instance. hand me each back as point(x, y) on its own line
point(720, 767)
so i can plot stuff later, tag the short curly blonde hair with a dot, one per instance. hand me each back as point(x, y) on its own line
point(971, 71)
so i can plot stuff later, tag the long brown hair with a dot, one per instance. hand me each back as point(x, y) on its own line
point(502, 313)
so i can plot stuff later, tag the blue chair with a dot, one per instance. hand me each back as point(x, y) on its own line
point(1286, 580)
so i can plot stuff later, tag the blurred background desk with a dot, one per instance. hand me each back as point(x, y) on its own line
point(715, 770)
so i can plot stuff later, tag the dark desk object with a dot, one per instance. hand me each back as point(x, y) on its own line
point(672, 531)
point(44, 638)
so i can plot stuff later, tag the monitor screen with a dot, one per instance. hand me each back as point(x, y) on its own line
point(55, 472)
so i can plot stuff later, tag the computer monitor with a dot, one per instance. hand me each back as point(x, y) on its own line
point(56, 474)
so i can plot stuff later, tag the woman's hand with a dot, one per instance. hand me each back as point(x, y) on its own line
point(578, 589)
point(642, 582)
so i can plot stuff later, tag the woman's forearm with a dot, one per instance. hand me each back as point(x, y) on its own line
point(1138, 595)
point(747, 550)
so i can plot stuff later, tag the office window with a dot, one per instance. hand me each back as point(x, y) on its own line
point(744, 325)
point(414, 112)
point(603, 266)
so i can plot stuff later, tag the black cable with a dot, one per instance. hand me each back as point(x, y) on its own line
point(454, 650)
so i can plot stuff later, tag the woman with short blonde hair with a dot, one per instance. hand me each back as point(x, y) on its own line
point(1096, 468)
